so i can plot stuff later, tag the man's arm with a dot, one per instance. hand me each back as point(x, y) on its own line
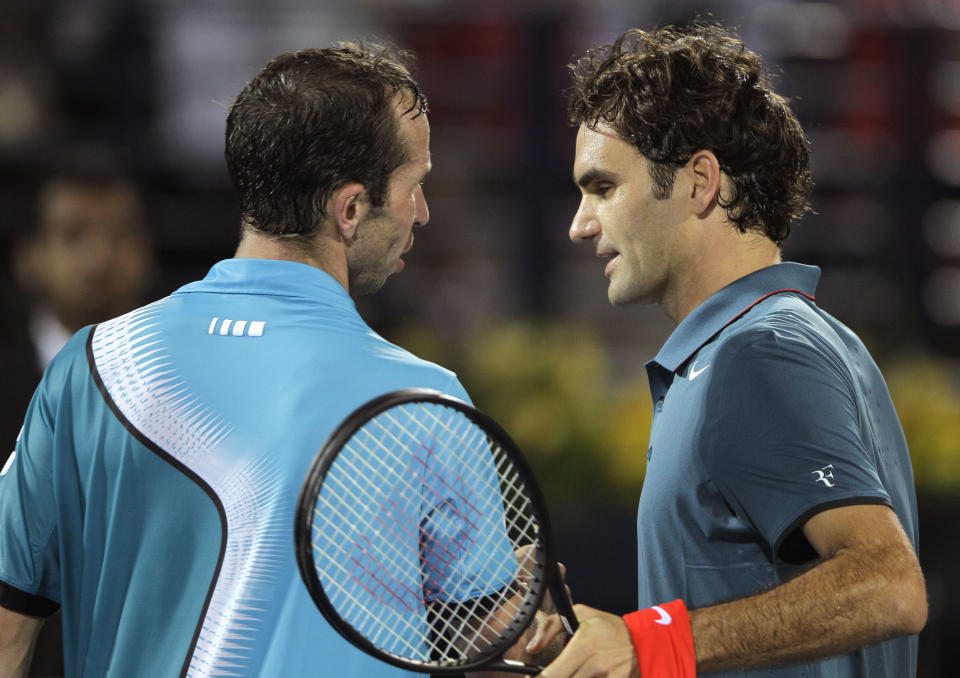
point(18, 633)
point(867, 588)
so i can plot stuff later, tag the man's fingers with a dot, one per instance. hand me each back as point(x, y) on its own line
point(548, 627)
point(526, 558)
point(571, 662)
point(601, 647)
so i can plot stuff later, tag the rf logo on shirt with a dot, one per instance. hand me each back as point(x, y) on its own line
point(825, 475)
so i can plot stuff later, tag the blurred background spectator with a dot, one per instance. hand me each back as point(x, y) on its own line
point(494, 289)
point(81, 256)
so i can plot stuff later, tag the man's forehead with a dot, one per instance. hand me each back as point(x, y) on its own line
point(67, 195)
point(601, 146)
point(415, 135)
point(603, 129)
point(406, 106)
point(66, 205)
point(600, 136)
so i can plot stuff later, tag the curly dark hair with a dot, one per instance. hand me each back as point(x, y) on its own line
point(312, 121)
point(674, 91)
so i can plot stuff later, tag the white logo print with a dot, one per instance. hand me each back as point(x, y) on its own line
point(239, 328)
point(694, 372)
point(825, 475)
point(665, 618)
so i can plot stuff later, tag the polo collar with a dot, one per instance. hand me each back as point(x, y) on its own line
point(729, 304)
point(272, 277)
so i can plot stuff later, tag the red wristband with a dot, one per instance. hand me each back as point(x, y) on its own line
point(663, 641)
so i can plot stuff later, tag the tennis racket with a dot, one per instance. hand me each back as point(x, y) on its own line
point(423, 538)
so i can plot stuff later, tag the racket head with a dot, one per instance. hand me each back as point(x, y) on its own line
point(358, 591)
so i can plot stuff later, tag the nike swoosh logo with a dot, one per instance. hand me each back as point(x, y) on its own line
point(694, 372)
point(665, 618)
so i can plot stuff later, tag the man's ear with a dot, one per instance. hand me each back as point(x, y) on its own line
point(707, 179)
point(350, 204)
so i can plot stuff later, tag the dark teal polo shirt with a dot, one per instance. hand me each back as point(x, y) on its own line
point(767, 410)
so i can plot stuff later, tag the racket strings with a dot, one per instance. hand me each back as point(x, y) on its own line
point(395, 590)
point(505, 489)
point(407, 485)
point(416, 532)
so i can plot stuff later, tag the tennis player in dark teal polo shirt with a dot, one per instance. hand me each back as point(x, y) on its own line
point(768, 412)
point(777, 525)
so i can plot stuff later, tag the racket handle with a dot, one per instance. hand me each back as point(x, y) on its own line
point(562, 602)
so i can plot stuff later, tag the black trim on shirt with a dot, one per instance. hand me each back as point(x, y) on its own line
point(792, 546)
point(184, 469)
point(29, 604)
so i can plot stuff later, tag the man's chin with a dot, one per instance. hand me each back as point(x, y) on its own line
point(618, 297)
point(366, 287)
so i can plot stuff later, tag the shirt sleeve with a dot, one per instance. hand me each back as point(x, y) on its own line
point(29, 573)
point(784, 441)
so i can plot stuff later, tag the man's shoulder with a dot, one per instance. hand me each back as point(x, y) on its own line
point(74, 351)
point(792, 327)
point(393, 356)
point(786, 345)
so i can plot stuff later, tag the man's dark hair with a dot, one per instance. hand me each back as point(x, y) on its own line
point(312, 121)
point(674, 91)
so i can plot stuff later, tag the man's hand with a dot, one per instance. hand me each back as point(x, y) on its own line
point(601, 647)
point(547, 631)
point(544, 638)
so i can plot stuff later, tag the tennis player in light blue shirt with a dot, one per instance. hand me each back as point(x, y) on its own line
point(152, 492)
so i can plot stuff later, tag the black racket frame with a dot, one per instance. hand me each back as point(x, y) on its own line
point(546, 574)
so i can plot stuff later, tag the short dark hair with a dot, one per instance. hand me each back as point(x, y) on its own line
point(312, 121)
point(674, 91)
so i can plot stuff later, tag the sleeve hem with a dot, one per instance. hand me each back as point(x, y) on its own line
point(819, 508)
point(29, 604)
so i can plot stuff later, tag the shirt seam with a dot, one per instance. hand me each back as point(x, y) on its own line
point(52, 529)
point(257, 291)
point(738, 317)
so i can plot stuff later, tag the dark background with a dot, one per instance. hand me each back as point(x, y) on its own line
point(493, 288)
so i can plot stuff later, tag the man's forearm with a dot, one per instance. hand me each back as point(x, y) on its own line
point(854, 599)
point(18, 634)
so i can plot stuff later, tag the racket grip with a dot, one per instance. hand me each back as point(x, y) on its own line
point(562, 602)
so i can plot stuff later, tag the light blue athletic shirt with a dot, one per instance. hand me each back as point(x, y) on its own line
point(767, 410)
point(153, 489)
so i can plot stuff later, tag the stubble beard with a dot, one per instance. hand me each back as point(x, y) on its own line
point(365, 282)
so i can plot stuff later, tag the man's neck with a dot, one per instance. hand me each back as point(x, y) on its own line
point(719, 262)
point(322, 253)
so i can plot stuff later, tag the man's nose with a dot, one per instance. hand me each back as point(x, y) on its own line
point(585, 225)
point(421, 213)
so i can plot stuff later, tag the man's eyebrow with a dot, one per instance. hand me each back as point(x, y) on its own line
point(594, 175)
